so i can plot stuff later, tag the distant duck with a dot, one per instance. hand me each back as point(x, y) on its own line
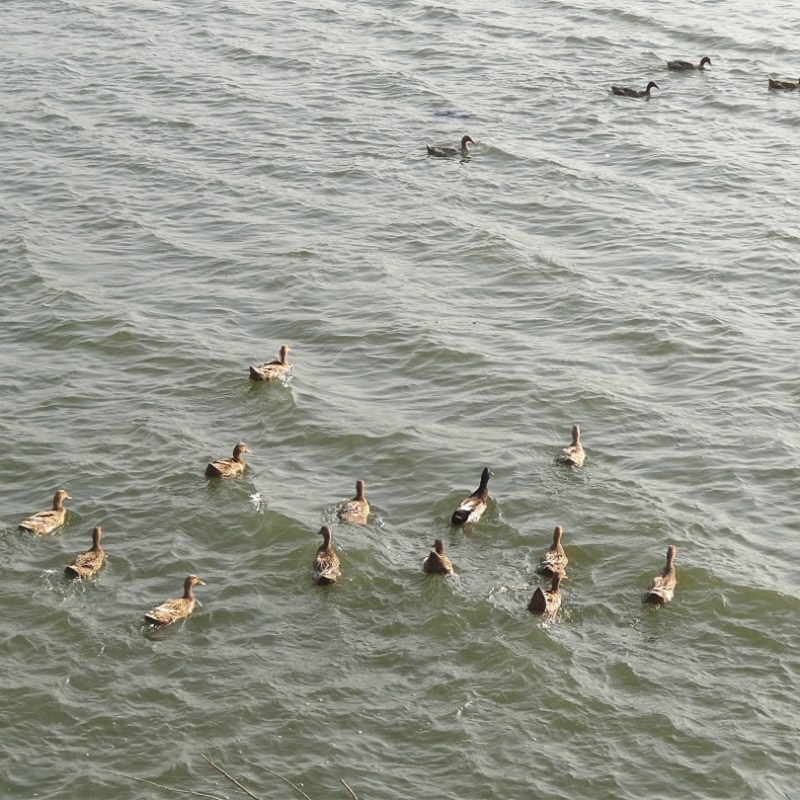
point(547, 603)
point(325, 569)
point(172, 610)
point(786, 86)
point(472, 507)
point(272, 370)
point(86, 564)
point(573, 455)
point(554, 559)
point(357, 509)
point(437, 562)
point(662, 587)
point(442, 152)
point(229, 467)
point(624, 91)
point(682, 66)
point(47, 521)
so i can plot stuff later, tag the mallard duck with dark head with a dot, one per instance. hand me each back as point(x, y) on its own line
point(47, 521)
point(573, 455)
point(179, 607)
point(229, 467)
point(357, 509)
point(471, 508)
point(272, 370)
point(442, 151)
point(547, 602)
point(624, 91)
point(86, 564)
point(325, 568)
point(437, 562)
point(662, 588)
point(554, 559)
point(685, 66)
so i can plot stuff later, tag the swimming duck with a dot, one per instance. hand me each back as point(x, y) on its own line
point(681, 66)
point(86, 564)
point(547, 603)
point(272, 370)
point(573, 455)
point(47, 521)
point(229, 467)
point(554, 559)
point(662, 587)
point(624, 91)
point(325, 569)
point(787, 86)
point(357, 509)
point(437, 562)
point(442, 152)
point(179, 607)
point(472, 507)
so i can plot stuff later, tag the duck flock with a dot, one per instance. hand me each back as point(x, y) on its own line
point(326, 568)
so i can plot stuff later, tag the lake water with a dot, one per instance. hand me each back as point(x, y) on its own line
point(187, 186)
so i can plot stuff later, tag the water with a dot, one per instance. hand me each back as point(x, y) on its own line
point(187, 187)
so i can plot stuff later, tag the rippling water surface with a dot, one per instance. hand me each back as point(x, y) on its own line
point(187, 186)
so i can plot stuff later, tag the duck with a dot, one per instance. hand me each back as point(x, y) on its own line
point(437, 562)
point(272, 370)
point(444, 151)
point(662, 588)
point(681, 66)
point(179, 607)
point(325, 569)
point(787, 86)
point(47, 521)
point(554, 559)
point(624, 91)
point(229, 467)
point(471, 508)
point(86, 564)
point(573, 455)
point(547, 602)
point(357, 509)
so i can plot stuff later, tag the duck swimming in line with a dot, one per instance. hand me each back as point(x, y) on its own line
point(662, 588)
point(437, 562)
point(229, 467)
point(86, 564)
point(357, 509)
point(172, 610)
point(272, 370)
point(573, 455)
point(554, 559)
point(786, 86)
point(547, 602)
point(47, 521)
point(471, 508)
point(624, 91)
point(682, 66)
point(444, 151)
point(325, 568)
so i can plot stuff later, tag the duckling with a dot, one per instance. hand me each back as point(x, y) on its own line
point(179, 607)
point(325, 569)
point(272, 370)
point(554, 559)
point(786, 86)
point(573, 455)
point(681, 66)
point(229, 467)
point(437, 562)
point(624, 91)
point(86, 564)
point(47, 521)
point(547, 603)
point(357, 509)
point(443, 151)
point(662, 587)
point(471, 508)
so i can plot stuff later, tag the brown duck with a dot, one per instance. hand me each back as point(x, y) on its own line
point(86, 564)
point(172, 610)
point(437, 562)
point(786, 86)
point(357, 509)
point(47, 521)
point(547, 603)
point(573, 455)
point(325, 568)
point(272, 370)
point(662, 588)
point(471, 508)
point(441, 151)
point(554, 559)
point(229, 467)
point(684, 66)
point(624, 91)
